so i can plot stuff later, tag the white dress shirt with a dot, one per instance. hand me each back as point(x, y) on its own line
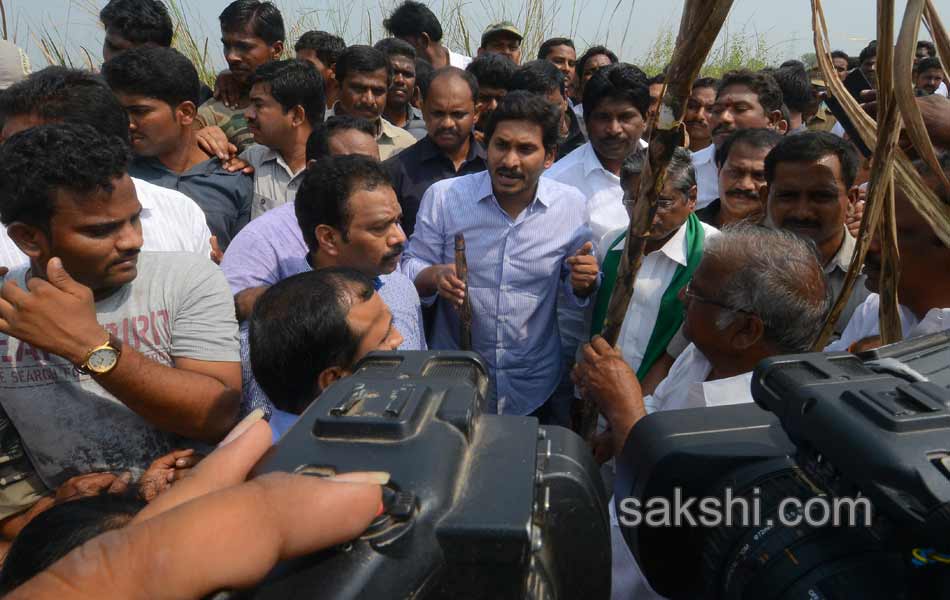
point(655, 275)
point(865, 323)
point(707, 176)
point(457, 60)
point(684, 387)
point(171, 222)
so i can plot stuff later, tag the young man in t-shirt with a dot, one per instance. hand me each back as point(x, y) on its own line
point(108, 357)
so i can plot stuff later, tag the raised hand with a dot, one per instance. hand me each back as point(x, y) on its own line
point(584, 270)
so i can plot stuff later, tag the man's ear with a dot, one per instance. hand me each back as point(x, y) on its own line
point(328, 239)
point(764, 197)
point(277, 49)
point(691, 198)
point(778, 122)
point(480, 52)
point(549, 157)
point(298, 116)
point(854, 195)
point(29, 239)
point(330, 376)
point(749, 333)
point(186, 112)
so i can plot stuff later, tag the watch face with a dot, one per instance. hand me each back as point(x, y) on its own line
point(102, 360)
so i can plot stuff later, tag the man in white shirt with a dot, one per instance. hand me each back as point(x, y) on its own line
point(923, 289)
point(413, 22)
point(171, 222)
point(756, 293)
point(698, 106)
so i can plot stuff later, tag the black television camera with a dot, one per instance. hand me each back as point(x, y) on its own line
point(478, 506)
point(868, 434)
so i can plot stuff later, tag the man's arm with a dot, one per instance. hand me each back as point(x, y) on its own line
point(196, 399)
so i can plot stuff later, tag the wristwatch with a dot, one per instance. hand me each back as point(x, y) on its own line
point(103, 358)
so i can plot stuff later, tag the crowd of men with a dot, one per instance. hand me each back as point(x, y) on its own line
point(179, 258)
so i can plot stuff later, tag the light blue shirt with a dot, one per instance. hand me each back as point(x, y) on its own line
point(515, 267)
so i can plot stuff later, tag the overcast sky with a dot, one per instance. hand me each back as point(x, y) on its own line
point(785, 24)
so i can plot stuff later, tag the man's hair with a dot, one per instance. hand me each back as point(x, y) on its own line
point(931, 49)
point(492, 70)
point(680, 172)
point(810, 146)
point(318, 143)
point(538, 77)
point(298, 329)
point(841, 54)
point(424, 73)
point(925, 64)
point(326, 46)
point(797, 92)
point(525, 106)
point(760, 139)
point(943, 161)
point(393, 46)
point(591, 53)
point(869, 51)
point(37, 163)
point(657, 79)
point(412, 19)
point(450, 71)
point(775, 275)
point(633, 164)
point(362, 59)
point(262, 18)
point(295, 82)
point(620, 81)
point(58, 94)
point(762, 85)
point(545, 48)
point(54, 533)
point(705, 82)
point(138, 21)
point(326, 188)
point(160, 73)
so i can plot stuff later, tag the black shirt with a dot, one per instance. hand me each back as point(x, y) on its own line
point(709, 214)
point(575, 137)
point(417, 167)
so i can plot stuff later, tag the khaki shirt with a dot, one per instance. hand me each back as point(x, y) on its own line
point(274, 182)
point(836, 271)
point(391, 139)
point(823, 120)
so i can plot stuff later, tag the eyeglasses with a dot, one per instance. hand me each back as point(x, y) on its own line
point(662, 204)
point(688, 292)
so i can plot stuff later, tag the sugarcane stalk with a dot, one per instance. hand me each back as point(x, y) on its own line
point(465, 311)
point(699, 27)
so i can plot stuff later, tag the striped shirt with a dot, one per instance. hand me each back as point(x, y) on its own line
point(515, 268)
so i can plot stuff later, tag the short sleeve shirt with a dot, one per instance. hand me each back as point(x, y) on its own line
point(178, 306)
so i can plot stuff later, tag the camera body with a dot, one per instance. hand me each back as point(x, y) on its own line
point(823, 425)
point(478, 505)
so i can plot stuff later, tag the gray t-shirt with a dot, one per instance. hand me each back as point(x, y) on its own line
point(179, 305)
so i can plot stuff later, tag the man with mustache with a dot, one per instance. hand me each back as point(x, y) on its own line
point(741, 163)
point(130, 351)
point(592, 60)
point(252, 33)
point(415, 23)
point(449, 150)
point(526, 236)
point(702, 151)
point(744, 100)
point(287, 101)
point(560, 52)
point(322, 50)
point(364, 75)
point(493, 73)
point(928, 76)
point(923, 289)
point(348, 215)
point(810, 177)
point(399, 109)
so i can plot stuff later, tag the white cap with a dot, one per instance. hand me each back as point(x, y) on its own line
point(14, 64)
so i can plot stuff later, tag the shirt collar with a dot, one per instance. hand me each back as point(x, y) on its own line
point(377, 281)
point(380, 123)
point(428, 150)
point(675, 247)
point(592, 163)
point(701, 157)
point(842, 259)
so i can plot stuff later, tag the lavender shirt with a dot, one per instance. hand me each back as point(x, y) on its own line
point(271, 248)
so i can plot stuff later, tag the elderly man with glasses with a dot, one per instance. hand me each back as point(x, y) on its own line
point(756, 293)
